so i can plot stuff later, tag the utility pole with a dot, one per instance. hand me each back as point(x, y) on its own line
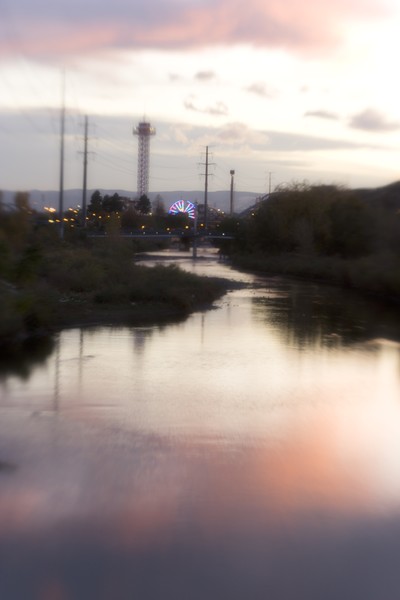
point(194, 252)
point(207, 164)
point(62, 137)
point(232, 172)
point(206, 194)
point(85, 162)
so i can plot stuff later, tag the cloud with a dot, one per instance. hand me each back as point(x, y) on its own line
point(293, 142)
point(218, 109)
point(174, 77)
point(69, 27)
point(372, 120)
point(190, 105)
point(199, 76)
point(205, 75)
point(178, 133)
point(240, 134)
point(260, 89)
point(321, 114)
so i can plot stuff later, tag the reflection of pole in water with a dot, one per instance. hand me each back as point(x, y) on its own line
point(80, 361)
point(56, 399)
point(140, 337)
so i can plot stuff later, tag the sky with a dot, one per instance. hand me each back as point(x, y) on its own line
point(280, 91)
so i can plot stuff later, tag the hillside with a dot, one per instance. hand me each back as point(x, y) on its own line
point(387, 196)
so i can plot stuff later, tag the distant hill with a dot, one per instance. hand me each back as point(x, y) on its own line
point(387, 196)
point(72, 198)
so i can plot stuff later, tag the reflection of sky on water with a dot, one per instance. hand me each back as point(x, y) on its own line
point(220, 373)
point(97, 508)
point(228, 456)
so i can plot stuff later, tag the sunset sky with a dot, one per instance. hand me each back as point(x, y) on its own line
point(280, 90)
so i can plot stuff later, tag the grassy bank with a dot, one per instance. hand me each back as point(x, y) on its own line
point(45, 287)
point(377, 274)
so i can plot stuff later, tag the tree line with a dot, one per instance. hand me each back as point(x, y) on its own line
point(325, 232)
point(321, 220)
point(116, 203)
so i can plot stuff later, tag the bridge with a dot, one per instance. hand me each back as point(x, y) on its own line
point(192, 239)
point(155, 235)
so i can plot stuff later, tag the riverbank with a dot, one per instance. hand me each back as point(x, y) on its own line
point(378, 274)
point(247, 451)
point(69, 286)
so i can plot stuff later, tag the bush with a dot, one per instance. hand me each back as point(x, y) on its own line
point(63, 281)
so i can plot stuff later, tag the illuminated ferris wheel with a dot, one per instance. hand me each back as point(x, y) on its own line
point(183, 206)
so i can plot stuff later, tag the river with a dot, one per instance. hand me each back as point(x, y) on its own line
point(250, 451)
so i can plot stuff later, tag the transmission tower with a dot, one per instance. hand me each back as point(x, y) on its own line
point(144, 131)
point(206, 164)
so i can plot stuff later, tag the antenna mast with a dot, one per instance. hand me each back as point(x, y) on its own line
point(144, 131)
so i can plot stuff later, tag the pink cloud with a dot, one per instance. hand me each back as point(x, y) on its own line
point(49, 41)
point(293, 24)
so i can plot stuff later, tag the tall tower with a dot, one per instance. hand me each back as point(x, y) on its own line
point(144, 130)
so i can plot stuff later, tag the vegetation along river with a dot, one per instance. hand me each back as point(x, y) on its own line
point(249, 451)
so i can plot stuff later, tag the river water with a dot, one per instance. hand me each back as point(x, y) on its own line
point(250, 451)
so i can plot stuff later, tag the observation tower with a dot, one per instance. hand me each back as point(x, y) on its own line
point(144, 131)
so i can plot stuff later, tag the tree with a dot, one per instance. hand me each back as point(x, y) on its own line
point(112, 204)
point(144, 205)
point(321, 220)
point(130, 218)
point(352, 227)
point(159, 207)
point(21, 201)
point(96, 202)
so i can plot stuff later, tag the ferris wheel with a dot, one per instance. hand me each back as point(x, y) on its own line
point(183, 206)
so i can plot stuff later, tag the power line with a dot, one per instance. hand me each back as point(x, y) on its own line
point(113, 166)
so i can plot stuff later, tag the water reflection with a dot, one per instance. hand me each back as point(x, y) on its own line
point(311, 314)
point(140, 337)
point(22, 362)
point(140, 516)
point(251, 451)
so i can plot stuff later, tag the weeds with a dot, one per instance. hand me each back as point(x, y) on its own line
point(43, 288)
